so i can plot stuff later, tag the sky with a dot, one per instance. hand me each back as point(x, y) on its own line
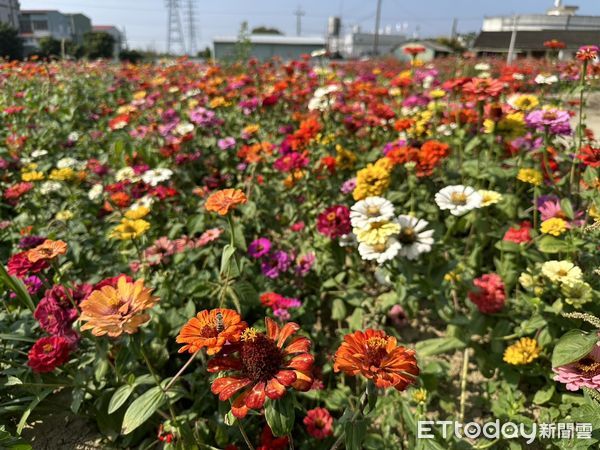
point(145, 21)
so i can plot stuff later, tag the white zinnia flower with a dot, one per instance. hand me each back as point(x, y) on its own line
point(146, 201)
point(155, 176)
point(371, 209)
point(49, 186)
point(413, 236)
point(184, 128)
point(95, 192)
point(321, 99)
point(482, 67)
point(458, 199)
point(380, 252)
point(66, 162)
point(126, 173)
point(546, 79)
point(38, 153)
point(74, 136)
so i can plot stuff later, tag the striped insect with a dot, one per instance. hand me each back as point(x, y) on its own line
point(220, 323)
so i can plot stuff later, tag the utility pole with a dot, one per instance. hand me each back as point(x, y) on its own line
point(174, 28)
point(454, 28)
point(377, 24)
point(192, 28)
point(513, 38)
point(299, 13)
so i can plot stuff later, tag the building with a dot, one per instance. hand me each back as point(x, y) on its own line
point(38, 24)
point(115, 33)
point(432, 50)
point(80, 24)
point(358, 44)
point(268, 46)
point(531, 31)
point(9, 13)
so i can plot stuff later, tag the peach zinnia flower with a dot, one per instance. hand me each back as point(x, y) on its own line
point(377, 357)
point(263, 367)
point(49, 249)
point(119, 310)
point(211, 329)
point(225, 200)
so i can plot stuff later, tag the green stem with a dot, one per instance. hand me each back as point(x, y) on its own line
point(358, 412)
point(463, 385)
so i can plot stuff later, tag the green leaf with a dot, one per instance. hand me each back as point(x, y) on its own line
point(355, 434)
point(142, 408)
point(246, 293)
point(573, 346)
point(280, 415)
point(544, 395)
point(228, 252)
point(338, 309)
point(17, 286)
point(567, 208)
point(431, 347)
point(38, 398)
point(120, 397)
point(550, 244)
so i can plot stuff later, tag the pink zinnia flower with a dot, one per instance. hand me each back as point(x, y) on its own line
point(520, 234)
point(583, 373)
point(334, 221)
point(489, 296)
point(319, 423)
point(208, 236)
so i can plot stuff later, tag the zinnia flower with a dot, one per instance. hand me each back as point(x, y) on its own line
point(519, 235)
point(371, 209)
point(19, 265)
point(263, 367)
point(117, 310)
point(376, 232)
point(48, 353)
point(334, 221)
point(377, 357)
point(49, 249)
point(524, 351)
point(211, 330)
point(554, 226)
point(561, 271)
point(381, 252)
point(458, 199)
point(490, 295)
point(413, 236)
point(587, 53)
point(130, 229)
point(583, 373)
point(319, 423)
point(531, 176)
point(259, 247)
point(225, 200)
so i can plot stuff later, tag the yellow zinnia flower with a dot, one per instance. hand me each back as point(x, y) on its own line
point(376, 233)
point(531, 176)
point(524, 351)
point(554, 226)
point(489, 197)
point(63, 174)
point(561, 271)
point(130, 229)
point(137, 213)
point(345, 159)
point(372, 181)
point(64, 216)
point(32, 176)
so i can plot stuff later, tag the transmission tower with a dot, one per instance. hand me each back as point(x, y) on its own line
point(299, 13)
point(192, 28)
point(174, 28)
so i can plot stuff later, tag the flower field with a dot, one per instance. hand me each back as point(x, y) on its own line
point(302, 255)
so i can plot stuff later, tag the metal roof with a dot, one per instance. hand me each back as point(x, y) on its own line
point(273, 39)
point(534, 40)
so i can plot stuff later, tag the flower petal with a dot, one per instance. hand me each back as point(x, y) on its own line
point(298, 345)
point(227, 386)
point(286, 377)
point(272, 328)
point(256, 397)
point(287, 330)
point(304, 361)
point(274, 389)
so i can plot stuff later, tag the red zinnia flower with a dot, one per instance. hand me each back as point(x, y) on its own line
point(587, 53)
point(263, 367)
point(490, 294)
point(19, 265)
point(48, 353)
point(555, 44)
point(334, 221)
point(319, 423)
point(483, 88)
point(590, 156)
point(519, 234)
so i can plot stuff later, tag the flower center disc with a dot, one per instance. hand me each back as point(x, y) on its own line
point(261, 358)
point(459, 198)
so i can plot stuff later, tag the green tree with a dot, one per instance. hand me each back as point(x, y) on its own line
point(132, 56)
point(11, 45)
point(266, 30)
point(98, 45)
point(49, 47)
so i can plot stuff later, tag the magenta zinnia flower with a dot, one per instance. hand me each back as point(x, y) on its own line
point(554, 120)
point(583, 373)
point(259, 248)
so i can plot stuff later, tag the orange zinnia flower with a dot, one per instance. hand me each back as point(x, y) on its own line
point(377, 357)
point(223, 201)
point(49, 249)
point(211, 329)
point(263, 367)
point(119, 310)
